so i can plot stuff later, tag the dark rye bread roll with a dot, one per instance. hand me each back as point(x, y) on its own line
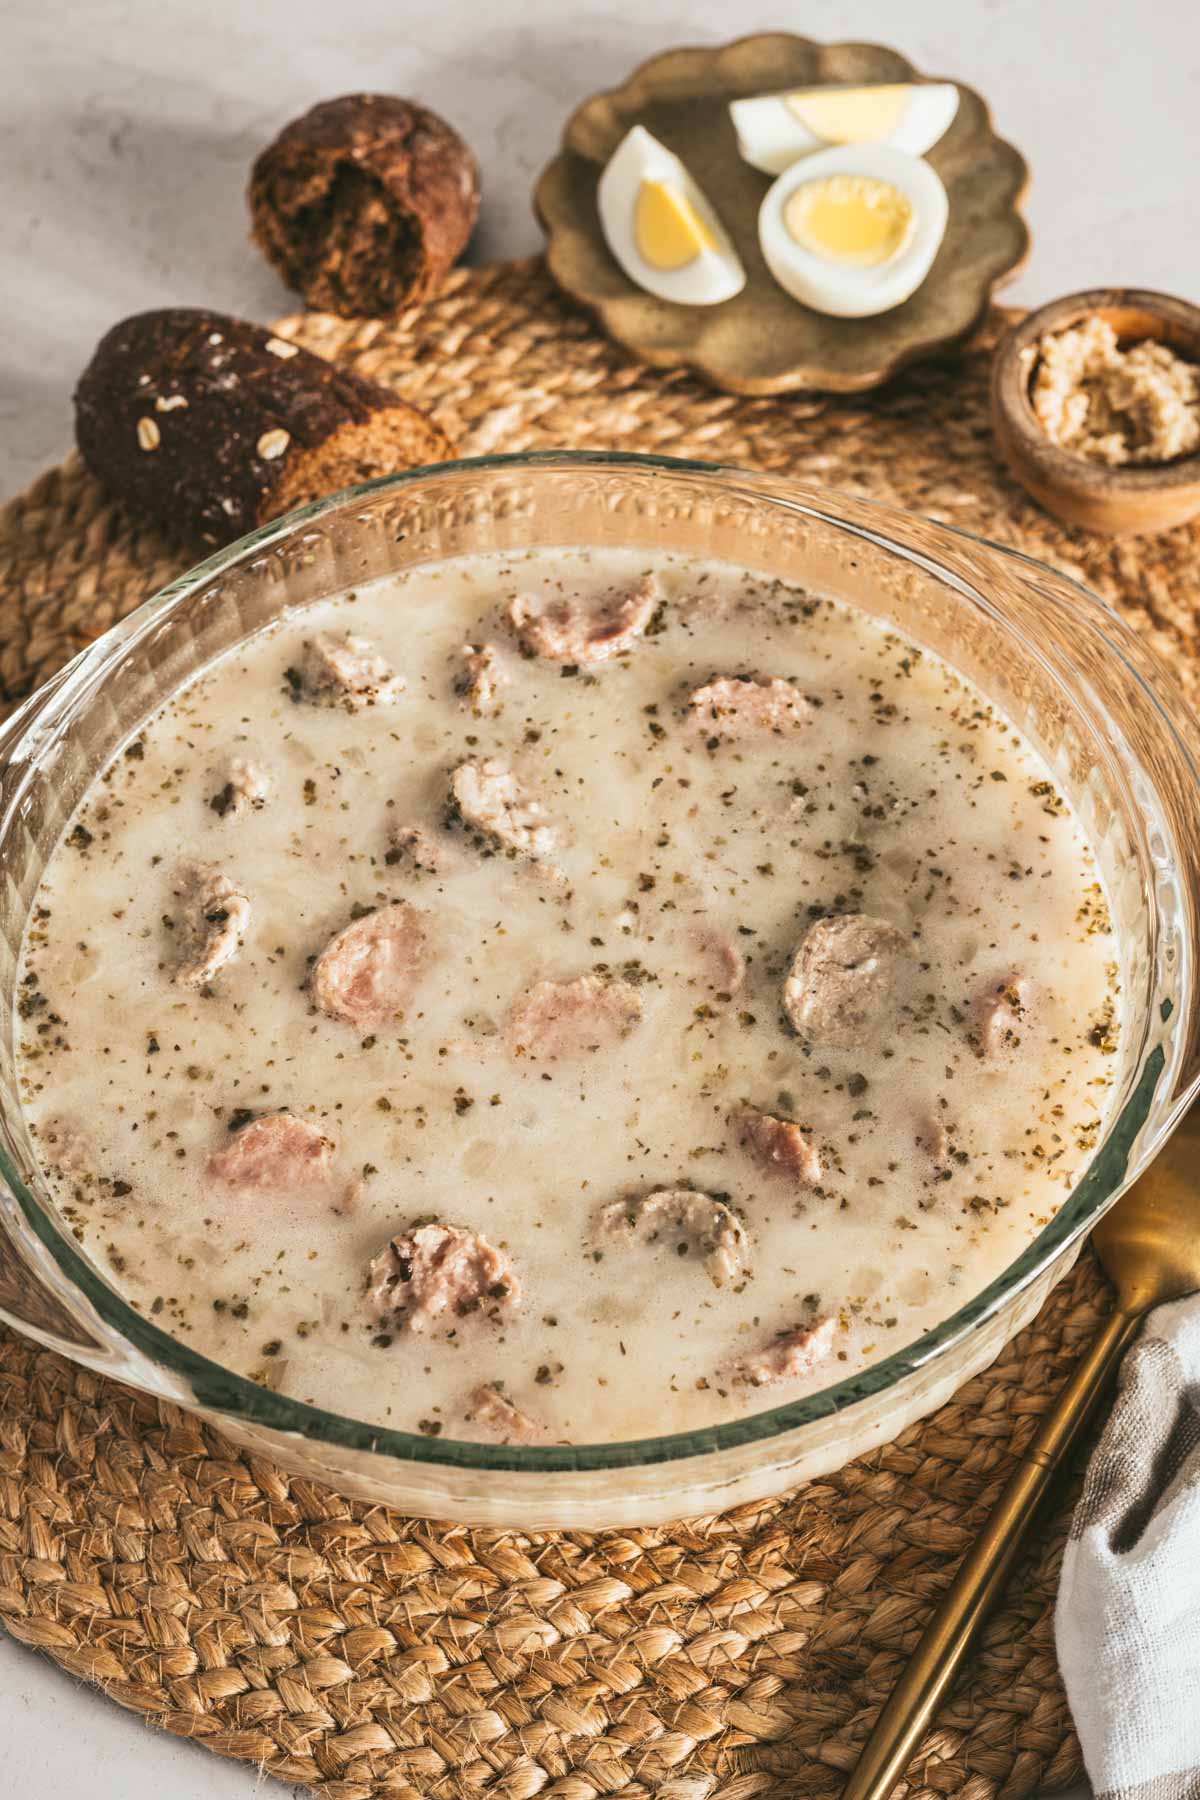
point(364, 203)
point(212, 425)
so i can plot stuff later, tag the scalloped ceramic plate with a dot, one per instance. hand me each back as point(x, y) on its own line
point(762, 341)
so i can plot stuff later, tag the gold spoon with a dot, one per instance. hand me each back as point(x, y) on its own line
point(1149, 1246)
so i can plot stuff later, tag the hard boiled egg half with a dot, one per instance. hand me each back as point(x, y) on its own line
point(853, 231)
point(774, 129)
point(661, 228)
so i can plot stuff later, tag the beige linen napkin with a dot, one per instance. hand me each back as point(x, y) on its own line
point(1128, 1619)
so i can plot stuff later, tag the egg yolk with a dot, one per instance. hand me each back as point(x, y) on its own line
point(850, 115)
point(667, 229)
point(855, 220)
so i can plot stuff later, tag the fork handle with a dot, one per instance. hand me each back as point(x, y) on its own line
point(984, 1569)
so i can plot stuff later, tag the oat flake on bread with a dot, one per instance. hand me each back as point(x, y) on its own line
point(197, 420)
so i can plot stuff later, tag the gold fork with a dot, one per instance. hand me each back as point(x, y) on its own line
point(1149, 1247)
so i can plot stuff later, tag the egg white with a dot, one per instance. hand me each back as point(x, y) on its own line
point(712, 275)
point(840, 289)
point(770, 136)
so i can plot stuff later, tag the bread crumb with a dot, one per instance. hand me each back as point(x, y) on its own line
point(1114, 406)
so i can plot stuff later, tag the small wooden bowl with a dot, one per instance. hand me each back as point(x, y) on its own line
point(1148, 498)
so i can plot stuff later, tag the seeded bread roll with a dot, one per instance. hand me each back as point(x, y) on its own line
point(212, 425)
point(364, 203)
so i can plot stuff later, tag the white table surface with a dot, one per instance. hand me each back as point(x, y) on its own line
point(127, 128)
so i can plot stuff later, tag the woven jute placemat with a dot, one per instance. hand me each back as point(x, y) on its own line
point(338, 1644)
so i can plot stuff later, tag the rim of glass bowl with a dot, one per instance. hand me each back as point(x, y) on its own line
point(221, 1390)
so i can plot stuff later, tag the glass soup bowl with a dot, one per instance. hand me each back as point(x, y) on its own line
point(1075, 679)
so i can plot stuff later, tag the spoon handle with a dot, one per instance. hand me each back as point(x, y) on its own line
point(984, 1569)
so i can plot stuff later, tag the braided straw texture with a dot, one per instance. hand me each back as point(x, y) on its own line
point(380, 1658)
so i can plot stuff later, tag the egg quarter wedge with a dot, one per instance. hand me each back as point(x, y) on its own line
point(661, 227)
point(853, 232)
point(773, 130)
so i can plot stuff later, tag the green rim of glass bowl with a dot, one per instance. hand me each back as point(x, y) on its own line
point(220, 1390)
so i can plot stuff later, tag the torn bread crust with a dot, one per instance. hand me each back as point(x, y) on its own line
point(439, 1273)
point(364, 202)
point(567, 630)
point(682, 1219)
point(213, 918)
point(344, 671)
point(785, 1358)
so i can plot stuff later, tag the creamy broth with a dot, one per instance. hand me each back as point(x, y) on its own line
point(852, 1140)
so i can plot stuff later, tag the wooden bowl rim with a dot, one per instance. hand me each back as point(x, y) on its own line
point(1012, 373)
